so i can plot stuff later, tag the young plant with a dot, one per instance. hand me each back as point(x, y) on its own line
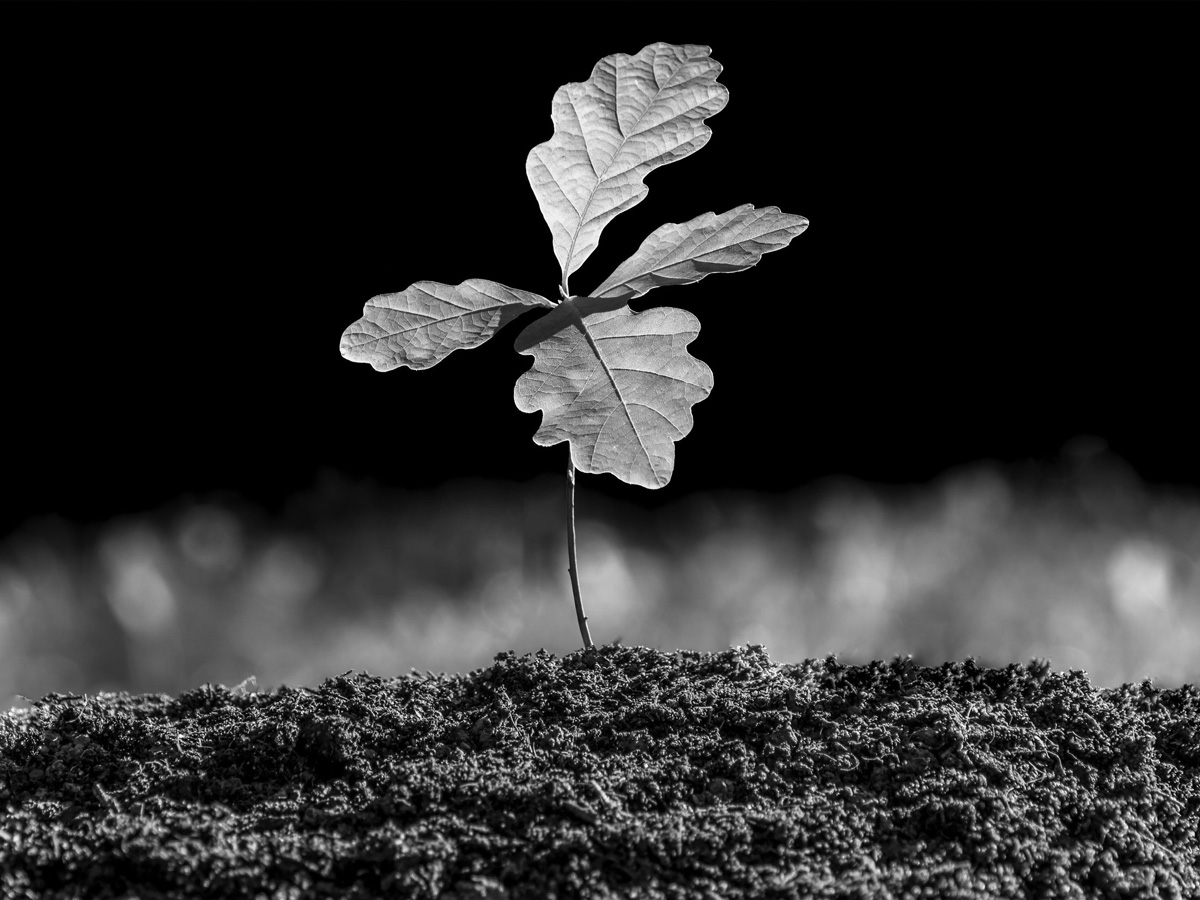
point(618, 386)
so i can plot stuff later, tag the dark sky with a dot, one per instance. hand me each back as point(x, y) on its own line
point(203, 198)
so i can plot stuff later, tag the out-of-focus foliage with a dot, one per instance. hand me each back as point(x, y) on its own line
point(1088, 568)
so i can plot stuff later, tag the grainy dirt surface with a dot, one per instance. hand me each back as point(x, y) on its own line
point(621, 772)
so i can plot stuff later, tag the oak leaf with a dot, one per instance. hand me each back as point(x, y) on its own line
point(685, 253)
point(423, 324)
point(634, 114)
point(618, 385)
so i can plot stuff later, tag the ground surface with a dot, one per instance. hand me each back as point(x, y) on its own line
point(620, 772)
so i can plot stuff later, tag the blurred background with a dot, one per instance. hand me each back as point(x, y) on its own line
point(1083, 565)
point(955, 417)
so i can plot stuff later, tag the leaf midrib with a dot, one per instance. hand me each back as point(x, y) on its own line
point(587, 335)
point(433, 320)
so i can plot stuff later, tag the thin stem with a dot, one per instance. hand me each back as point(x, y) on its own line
point(572, 564)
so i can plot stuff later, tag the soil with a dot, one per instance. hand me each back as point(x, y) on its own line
point(618, 772)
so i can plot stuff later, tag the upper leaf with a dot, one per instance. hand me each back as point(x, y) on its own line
point(634, 114)
point(422, 325)
point(685, 253)
point(618, 385)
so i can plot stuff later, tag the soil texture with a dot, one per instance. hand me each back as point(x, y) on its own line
point(616, 772)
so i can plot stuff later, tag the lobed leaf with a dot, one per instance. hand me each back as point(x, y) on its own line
point(634, 114)
point(685, 253)
point(423, 324)
point(618, 385)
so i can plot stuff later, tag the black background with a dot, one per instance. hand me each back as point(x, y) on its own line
point(202, 198)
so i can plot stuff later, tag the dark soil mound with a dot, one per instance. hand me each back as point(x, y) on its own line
point(621, 772)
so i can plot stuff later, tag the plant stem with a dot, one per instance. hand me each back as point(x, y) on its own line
point(572, 563)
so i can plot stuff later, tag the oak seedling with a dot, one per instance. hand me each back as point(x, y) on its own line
point(618, 386)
